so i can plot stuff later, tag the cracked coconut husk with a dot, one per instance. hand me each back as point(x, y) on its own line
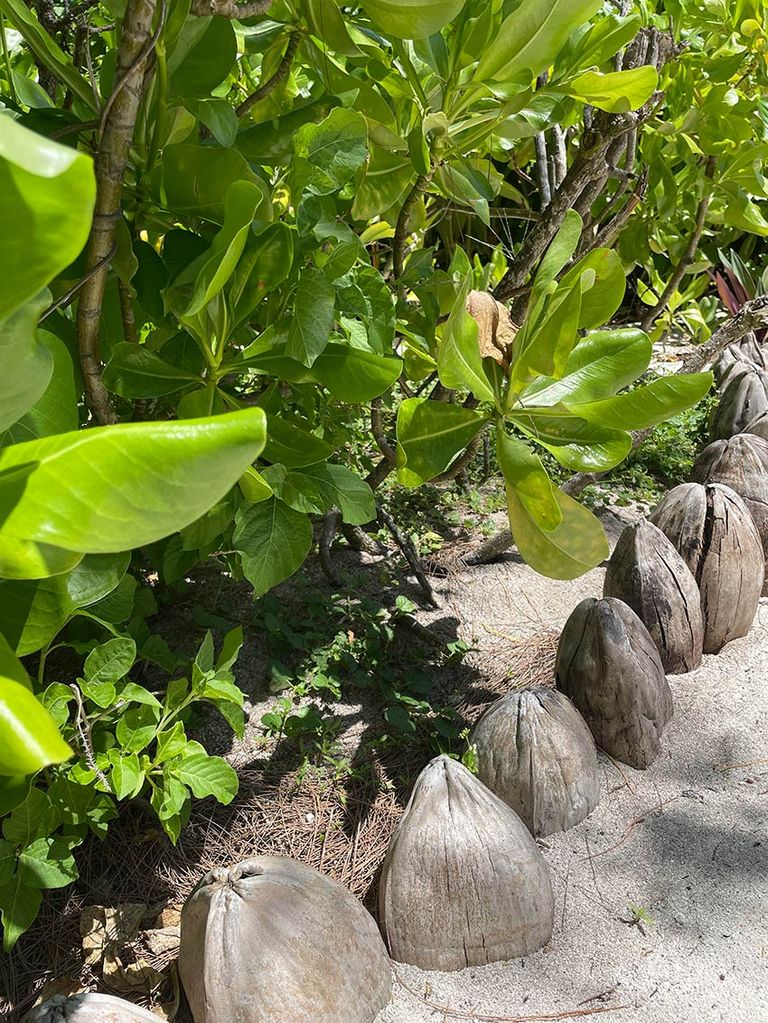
point(535, 751)
point(89, 1008)
point(609, 666)
point(646, 572)
point(744, 396)
point(714, 532)
point(272, 939)
point(463, 881)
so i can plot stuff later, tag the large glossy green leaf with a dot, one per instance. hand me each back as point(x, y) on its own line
point(527, 478)
point(329, 154)
point(388, 176)
point(599, 366)
point(547, 345)
point(55, 411)
point(429, 436)
point(459, 363)
point(291, 445)
point(32, 612)
point(48, 52)
point(312, 318)
point(133, 371)
point(603, 298)
point(566, 552)
point(123, 486)
point(532, 36)
point(195, 179)
point(318, 488)
point(265, 263)
point(411, 19)
point(273, 541)
point(560, 250)
point(575, 443)
point(617, 91)
point(29, 738)
point(48, 194)
point(29, 364)
point(646, 405)
point(25, 559)
point(354, 375)
point(202, 57)
point(11, 667)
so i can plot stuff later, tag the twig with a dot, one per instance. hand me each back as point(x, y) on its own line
point(229, 9)
point(359, 540)
point(690, 251)
point(86, 742)
point(409, 553)
point(488, 1018)
point(401, 228)
point(633, 824)
point(465, 459)
point(281, 73)
point(115, 139)
point(69, 295)
point(377, 429)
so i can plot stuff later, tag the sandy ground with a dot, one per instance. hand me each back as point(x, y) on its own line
point(662, 893)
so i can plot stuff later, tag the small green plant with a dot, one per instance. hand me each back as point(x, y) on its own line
point(132, 744)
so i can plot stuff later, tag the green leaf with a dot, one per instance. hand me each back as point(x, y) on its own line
point(647, 405)
point(560, 251)
point(170, 743)
point(29, 738)
point(211, 271)
point(459, 363)
point(599, 366)
point(219, 117)
point(19, 905)
point(55, 411)
point(273, 541)
point(575, 443)
point(573, 548)
point(429, 436)
point(124, 486)
point(48, 196)
point(265, 263)
point(133, 693)
point(47, 863)
point(133, 371)
point(527, 479)
point(600, 302)
point(322, 486)
point(230, 648)
point(10, 666)
point(7, 858)
point(126, 777)
point(201, 57)
point(411, 19)
point(14, 789)
point(208, 776)
point(356, 376)
point(329, 154)
point(110, 661)
point(547, 345)
point(49, 53)
point(388, 176)
point(312, 319)
point(103, 694)
point(32, 362)
point(33, 611)
point(25, 559)
point(289, 445)
point(37, 817)
point(136, 728)
point(531, 37)
point(617, 92)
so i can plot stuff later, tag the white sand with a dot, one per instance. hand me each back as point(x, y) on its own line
point(685, 842)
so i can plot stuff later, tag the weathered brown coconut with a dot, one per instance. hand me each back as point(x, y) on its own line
point(740, 463)
point(714, 532)
point(744, 397)
point(646, 572)
point(745, 354)
point(609, 666)
point(272, 939)
point(89, 1008)
point(535, 752)
point(463, 882)
point(758, 426)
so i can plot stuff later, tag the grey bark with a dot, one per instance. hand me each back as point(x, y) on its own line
point(89, 1008)
point(272, 939)
point(535, 751)
point(646, 572)
point(463, 882)
point(713, 530)
point(744, 397)
point(740, 463)
point(609, 666)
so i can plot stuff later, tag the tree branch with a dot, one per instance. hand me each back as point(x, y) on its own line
point(229, 9)
point(401, 228)
point(116, 136)
point(281, 73)
point(688, 256)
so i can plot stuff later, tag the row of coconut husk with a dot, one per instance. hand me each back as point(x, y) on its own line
point(464, 882)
